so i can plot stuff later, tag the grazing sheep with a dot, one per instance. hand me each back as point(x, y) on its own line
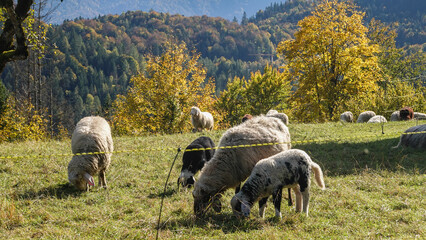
point(92, 134)
point(420, 116)
point(406, 113)
point(246, 117)
point(282, 116)
point(411, 137)
point(230, 166)
point(193, 161)
point(365, 116)
point(377, 119)
point(395, 116)
point(290, 168)
point(347, 117)
point(201, 120)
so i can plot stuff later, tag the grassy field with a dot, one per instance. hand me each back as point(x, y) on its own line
point(372, 192)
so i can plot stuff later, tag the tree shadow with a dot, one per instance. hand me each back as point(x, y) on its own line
point(59, 191)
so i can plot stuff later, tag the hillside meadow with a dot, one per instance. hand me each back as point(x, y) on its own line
point(372, 191)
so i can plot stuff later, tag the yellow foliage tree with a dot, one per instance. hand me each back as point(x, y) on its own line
point(330, 62)
point(160, 100)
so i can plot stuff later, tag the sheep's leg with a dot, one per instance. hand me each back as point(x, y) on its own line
point(298, 198)
point(262, 205)
point(277, 197)
point(290, 200)
point(306, 196)
point(237, 189)
point(102, 179)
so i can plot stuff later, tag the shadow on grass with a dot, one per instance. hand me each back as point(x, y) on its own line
point(349, 158)
point(169, 192)
point(59, 191)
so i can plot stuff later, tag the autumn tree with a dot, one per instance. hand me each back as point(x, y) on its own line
point(331, 61)
point(257, 95)
point(160, 99)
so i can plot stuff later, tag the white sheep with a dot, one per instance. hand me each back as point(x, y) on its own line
point(230, 166)
point(377, 119)
point(201, 120)
point(347, 117)
point(276, 114)
point(414, 137)
point(395, 116)
point(91, 135)
point(365, 116)
point(420, 116)
point(271, 112)
point(290, 169)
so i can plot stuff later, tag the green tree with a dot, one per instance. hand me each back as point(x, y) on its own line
point(331, 61)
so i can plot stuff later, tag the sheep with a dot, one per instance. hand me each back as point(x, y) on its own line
point(271, 112)
point(290, 168)
point(412, 138)
point(395, 116)
point(276, 114)
point(246, 117)
point(193, 161)
point(377, 119)
point(365, 116)
point(201, 120)
point(92, 134)
point(230, 166)
point(419, 116)
point(347, 117)
point(406, 113)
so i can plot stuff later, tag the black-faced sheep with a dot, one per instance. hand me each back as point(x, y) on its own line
point(406, 113)
point(290, 168)
point(230, 166)
point(92, 134)
point(347, 117)
point(193, 161)
point(246, 117)
point(412, 138)
point(365, 116)
point(377, 119)
point(201, 120)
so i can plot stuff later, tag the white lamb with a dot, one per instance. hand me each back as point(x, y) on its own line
point(347, 117)
point(201, 120)
point(91, 135)
point(365, 116)
point(377, 119)
point(290, 169)
point(230, 166)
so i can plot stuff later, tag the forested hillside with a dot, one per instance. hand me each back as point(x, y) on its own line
point(88, 62)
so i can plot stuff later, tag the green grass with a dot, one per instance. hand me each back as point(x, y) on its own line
point(372, 192)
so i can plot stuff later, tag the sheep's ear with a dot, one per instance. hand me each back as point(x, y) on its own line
point(89, 179)
point(245, 209)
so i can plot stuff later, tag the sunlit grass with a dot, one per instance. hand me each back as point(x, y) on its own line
point(373, 191)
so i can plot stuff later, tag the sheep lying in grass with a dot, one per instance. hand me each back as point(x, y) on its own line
point(347, 117)
point(419, 116)
point(92, 134)
point(201, 120)
point(193, 161)
point(411, 137)
point(365, 116)
point(230, 166)
point(290, 168)
point(395, 116)
point(377, 119)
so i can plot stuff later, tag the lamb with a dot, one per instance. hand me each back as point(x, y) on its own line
point(395, 116)
point(365, 116)
point(414, 137)
point(230, 166)
point(246, 117)
point(406, 113)
point(193, 161)
point(347, 117)
point(91, 135)
point(377, 119)
point(290, 168)
point(276, 114)
point(201, 120)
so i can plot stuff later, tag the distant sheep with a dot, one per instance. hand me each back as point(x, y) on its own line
point(230, 166)
point(395, 116)
point(201, 120)
point(246, 117)
point(193, 161)
point(347, 117)
point(290, 168)
point(377, 119)
point(365, 116)
point(92, 134)
point(271, 112)
point(406, 113)
point(416, 140)
point(419, 116)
